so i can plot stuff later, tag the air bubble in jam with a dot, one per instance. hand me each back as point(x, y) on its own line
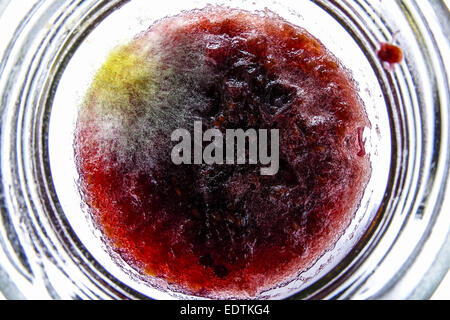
point(221, 230)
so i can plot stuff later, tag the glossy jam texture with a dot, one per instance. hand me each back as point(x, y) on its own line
point(221, 230)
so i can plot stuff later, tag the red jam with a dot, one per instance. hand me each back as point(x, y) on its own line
point(224, 230)
point(390, 53)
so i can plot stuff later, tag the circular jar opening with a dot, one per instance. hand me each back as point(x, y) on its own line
point(405, 144)
point(82, 68)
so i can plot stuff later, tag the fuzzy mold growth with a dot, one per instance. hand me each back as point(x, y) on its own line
point(221, 230)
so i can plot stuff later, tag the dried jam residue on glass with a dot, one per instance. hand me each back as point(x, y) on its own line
point(216, 229)
point(390, 54)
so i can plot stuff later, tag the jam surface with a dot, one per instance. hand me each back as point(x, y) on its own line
point(221, 230)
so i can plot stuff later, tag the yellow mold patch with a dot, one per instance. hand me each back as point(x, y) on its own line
point(125, 80)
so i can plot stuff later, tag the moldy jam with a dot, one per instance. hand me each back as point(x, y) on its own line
point(221, 230)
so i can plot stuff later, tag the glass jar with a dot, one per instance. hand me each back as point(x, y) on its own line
point(397, 244)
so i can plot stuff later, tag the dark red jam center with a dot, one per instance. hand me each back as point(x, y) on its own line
point(212, 229)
